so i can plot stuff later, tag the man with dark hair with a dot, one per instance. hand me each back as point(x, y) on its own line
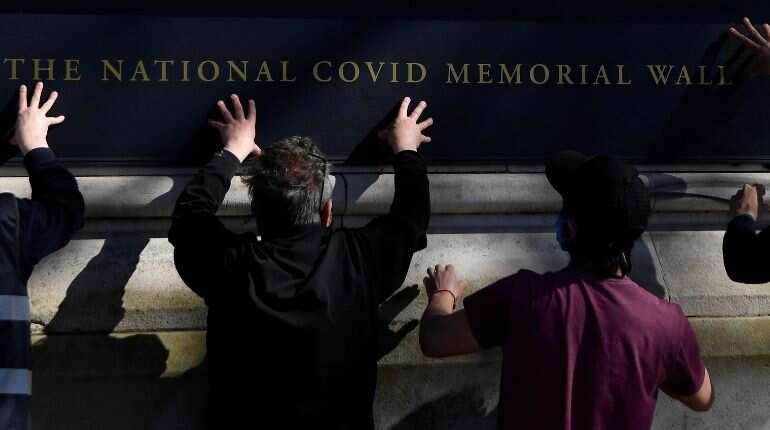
point(30, 229)
point(292, 318)
point(584, 347)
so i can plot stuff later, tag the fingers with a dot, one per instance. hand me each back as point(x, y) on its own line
point(766, 27)
point(252, 114)
point(424, 139)
point(49, 103)
point(224, 111)
point(746, 41)
point(418, 110)
point(754, 32)
point(404, 108)
point(237, 107)
point(35, 102)
point(760, 189)
point(435, 271)
point(22, 98)
point(56, 120)
point(216, 124)
point(425, 124)
point(256, 151)
point(450, 269)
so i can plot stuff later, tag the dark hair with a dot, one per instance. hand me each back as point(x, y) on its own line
point(602, 253)
point(285, 183)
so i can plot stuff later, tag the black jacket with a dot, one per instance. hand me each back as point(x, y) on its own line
point(292, 324)
point(30, 229)
point(745, 251)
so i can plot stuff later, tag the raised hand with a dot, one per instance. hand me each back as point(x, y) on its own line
point(405, 133)
point(32, 121)
point(238, 130)
point(758, 42)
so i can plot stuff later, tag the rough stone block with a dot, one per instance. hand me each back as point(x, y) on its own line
point(694, 273)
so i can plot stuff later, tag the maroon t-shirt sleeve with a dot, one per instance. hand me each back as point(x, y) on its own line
point(491, 309)
point(686, 371)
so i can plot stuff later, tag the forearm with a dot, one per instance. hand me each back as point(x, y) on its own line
point(701, 400)
point(411, 199)
point(200, 240)
point(433, 331)
point(55, 212)
point(54, 186)
point(203, 196)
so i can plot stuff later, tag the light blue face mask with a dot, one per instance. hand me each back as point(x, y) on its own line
point(561, 232)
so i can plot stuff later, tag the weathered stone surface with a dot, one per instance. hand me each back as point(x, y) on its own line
point(733, 337)
point(121, 283)
point(136, 377)
point(459, 193)
point(177, 352)
point(361, 193)
point(114, 305)
point(694, 273)
point(127, 281)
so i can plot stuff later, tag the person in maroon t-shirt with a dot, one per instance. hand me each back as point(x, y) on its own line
point(584, 347)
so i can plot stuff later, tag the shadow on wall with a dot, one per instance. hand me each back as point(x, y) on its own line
point(456, 411)
point(86, 379)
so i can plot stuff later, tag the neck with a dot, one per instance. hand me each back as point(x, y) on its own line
point(585, 266)
point(271, 230)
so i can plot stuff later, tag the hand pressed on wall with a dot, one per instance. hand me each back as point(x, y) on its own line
point(758, 43)
point(443, 278)
point(405, 133)
point(238, 130)
point(32, 121)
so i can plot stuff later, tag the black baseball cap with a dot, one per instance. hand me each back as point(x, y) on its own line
point(604, 195)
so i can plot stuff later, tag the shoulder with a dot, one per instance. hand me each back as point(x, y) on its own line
point(8, 200)
point(519, 284)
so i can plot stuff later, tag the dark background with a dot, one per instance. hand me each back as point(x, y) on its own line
point(629, 11)
point(164, 123)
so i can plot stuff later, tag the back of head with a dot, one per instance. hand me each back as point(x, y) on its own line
point(610, 207)
point(288, 183)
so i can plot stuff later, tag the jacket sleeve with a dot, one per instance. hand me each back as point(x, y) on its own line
point(202, 244)
point(53, 214)
point(389, 241)
point(745, 251)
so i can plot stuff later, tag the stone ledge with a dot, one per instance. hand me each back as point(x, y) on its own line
point(128, 282)
point(370, 194)
point(170, 354)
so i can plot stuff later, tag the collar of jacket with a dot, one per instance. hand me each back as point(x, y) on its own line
point(294, 232)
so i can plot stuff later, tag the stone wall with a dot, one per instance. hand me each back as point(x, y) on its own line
point(119, 340)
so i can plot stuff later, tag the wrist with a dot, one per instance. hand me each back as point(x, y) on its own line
point(752, 213)
point(447, 295)
point(26, 148)
point(397, 149)
point(238, 153)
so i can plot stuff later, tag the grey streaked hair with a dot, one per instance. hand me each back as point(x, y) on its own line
point(285, 183)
